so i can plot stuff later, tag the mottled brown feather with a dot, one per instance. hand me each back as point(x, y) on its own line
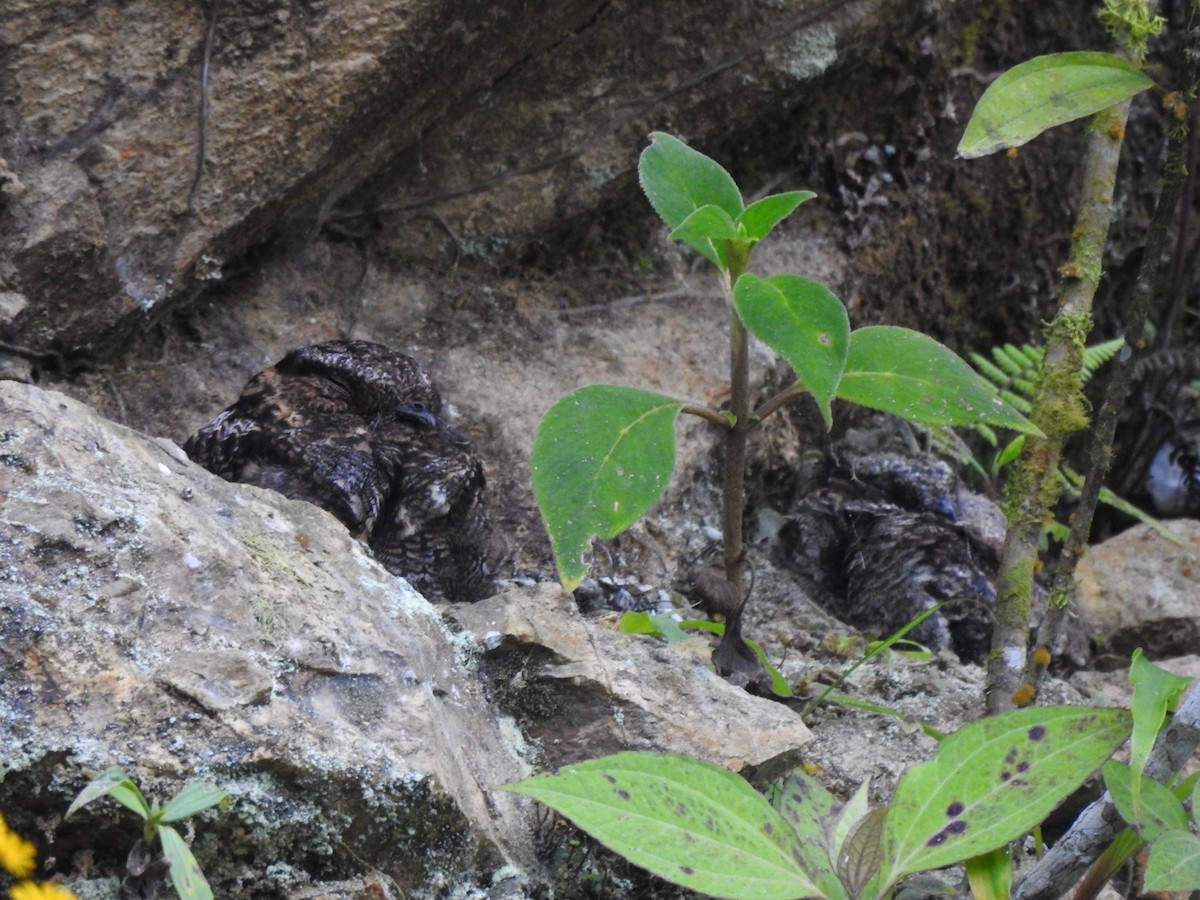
point(354, 427)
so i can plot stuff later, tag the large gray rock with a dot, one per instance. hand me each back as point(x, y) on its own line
point(185, 628)
point(491, 121)
point(160, 619)
point(1139, 589)
point(584, 689)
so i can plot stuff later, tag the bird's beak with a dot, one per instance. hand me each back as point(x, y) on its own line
point(417, 412)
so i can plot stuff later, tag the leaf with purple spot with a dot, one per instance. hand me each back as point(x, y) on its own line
point(687, 820)
point(821, 822)
point(991, 781)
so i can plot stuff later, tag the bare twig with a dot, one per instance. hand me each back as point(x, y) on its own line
point(201, 144)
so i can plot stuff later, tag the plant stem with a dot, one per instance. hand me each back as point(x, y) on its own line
point(1059, 408)
point(1151, 283)
point(733, 485)
point(772, 405)
point(733, 657)
point(709, 415)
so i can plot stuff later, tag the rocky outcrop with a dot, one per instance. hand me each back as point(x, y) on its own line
point(185, 628)
point(147, 144)
point(574, 682)
point(160, 619)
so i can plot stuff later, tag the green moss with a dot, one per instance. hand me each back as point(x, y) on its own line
point(1061, 408)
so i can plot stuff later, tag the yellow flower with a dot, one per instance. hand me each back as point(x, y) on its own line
point(17, 855)
point(27, 890)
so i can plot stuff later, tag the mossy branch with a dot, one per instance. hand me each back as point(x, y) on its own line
point(1060, 409)
point(1150, 284)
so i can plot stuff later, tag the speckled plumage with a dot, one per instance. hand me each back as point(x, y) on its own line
point(883, 537)
point(1173, 477)
point(1156, 449)
point(354, 428)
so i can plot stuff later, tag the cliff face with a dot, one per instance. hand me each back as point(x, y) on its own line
point(147, 145)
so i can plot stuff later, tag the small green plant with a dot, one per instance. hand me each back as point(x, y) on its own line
point(990, 782)
point(700, 826)
point(665, 625)
point(185, 873)
point(1155, 813)
point(603, 454)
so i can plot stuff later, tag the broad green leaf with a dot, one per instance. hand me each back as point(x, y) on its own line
point(710, 222)
point(688, 821)
point(1156, 811)
point(116, 784)
point(193, 798)
point(1174, 863)
point(992, 780)
point(911, 375)
point(1047, 91)
point(186, 876)
point(1154, 691)
point(661, 625)
point(821, 823)
point(678, 180)
point(803, 322)
point(602, 457)
point(761, 216)
point(990, 874)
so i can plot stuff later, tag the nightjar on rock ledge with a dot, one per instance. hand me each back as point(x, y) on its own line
point(879, 538)
point(355, 428)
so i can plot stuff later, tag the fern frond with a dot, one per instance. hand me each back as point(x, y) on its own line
point(1098, 354)
point(1017, 361)
point(1017, 401)
point(1013, 370)
point(988, 370)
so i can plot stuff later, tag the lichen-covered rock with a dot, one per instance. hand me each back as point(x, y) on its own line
point(184, 628)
